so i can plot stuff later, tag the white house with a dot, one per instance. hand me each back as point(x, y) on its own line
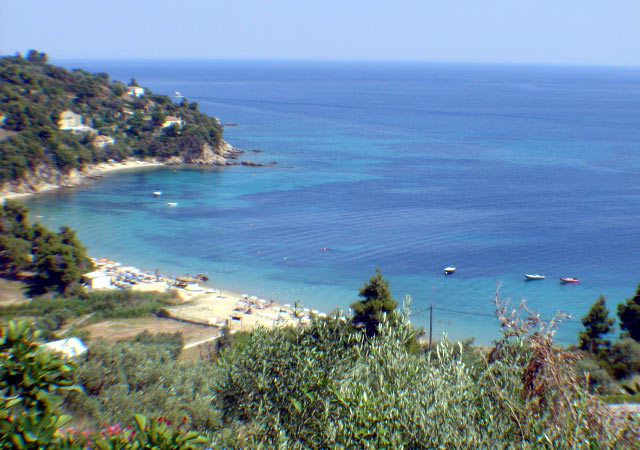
point(72, 122)
point(70, 348)
point(136, 91)
point(69, 120)
point(102, 140)
point(97, 280)
point(171, 120)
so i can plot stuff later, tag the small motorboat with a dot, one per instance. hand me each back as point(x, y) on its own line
point(569, 280)
point(533, 276)
point(449, 270)
point(157, 193)
point(172, 204)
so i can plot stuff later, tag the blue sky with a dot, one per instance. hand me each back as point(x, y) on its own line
point(522, 31)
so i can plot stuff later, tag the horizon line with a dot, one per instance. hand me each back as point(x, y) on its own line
point(342, 60)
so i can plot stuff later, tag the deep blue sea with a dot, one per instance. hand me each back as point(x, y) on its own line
point(499, 170)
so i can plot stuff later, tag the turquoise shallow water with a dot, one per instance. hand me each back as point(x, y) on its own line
point(499, 170)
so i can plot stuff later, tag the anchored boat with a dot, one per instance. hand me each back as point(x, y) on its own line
point(449, 270)
point(569, 280)
point(534, 276)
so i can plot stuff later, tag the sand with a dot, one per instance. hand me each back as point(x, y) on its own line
point(79, 178)
point(222, 307)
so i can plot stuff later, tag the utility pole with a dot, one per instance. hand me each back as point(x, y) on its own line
point(430, 323)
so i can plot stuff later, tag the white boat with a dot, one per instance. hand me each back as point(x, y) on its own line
point(157, 193)
point(177, 94)
point(172, 204)
point(534, 276)
point(449, 270)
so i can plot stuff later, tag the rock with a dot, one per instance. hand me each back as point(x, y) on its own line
point(252, 164)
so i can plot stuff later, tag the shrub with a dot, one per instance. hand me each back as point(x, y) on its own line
point(624, 358)
point(142, 375)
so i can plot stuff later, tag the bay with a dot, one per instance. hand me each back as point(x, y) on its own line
point(499, 170)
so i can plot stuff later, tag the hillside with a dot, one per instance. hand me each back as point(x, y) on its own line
point(55, 121)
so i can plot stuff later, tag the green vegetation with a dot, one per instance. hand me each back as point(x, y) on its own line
point(51, 314)
point(327, 385)
point(34, 380)
point(608, 368)
point(58, 259)
point(34, 95)
point(376, 302)
point(629, 314)
point(597, 324)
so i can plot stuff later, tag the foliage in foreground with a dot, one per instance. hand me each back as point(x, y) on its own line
point(32, 382)
point(330, 386)
point(143, 375)
point(321, 388)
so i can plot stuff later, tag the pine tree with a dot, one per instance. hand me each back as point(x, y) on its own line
point(376, 300)
point(629, 314)
point(597, 324)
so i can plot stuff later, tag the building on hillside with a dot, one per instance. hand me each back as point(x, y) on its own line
point(97, 280)
point(102, 140)
point(70, 348)
point(71, 121)
point(136, 91)
point(172, 120)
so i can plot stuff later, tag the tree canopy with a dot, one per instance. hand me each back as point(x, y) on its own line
point(376, 301)
point(58, 258)
point(629, 315)
point(597, 324)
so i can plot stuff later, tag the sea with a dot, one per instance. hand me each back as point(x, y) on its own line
point(496, 169)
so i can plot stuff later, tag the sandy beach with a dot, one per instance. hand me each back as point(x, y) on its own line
point(208, 305)
point(74, 178)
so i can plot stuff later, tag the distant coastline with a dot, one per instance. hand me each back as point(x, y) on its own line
point(46, 181)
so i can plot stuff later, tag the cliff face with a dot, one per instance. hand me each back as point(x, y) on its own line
point(223, 155)
point(45, 178)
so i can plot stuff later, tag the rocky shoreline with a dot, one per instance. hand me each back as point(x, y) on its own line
point(44, 179)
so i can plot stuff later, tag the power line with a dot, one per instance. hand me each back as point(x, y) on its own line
point(472, 313)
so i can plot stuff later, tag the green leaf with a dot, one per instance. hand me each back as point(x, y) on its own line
point(296, 404)
point(141, 421)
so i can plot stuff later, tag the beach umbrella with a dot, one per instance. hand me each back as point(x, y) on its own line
point(287, 305)
point(253, 297)
point(245, 295)
point(322, 315)
point(261, 300)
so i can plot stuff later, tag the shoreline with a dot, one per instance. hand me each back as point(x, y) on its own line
point(206, 304)
point(77, 178)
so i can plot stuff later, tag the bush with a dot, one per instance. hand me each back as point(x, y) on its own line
point(328, 387)
point(142, 375)
point(595, 376)
point(624, 358)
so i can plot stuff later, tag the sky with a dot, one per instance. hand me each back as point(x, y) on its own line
point(511, 31)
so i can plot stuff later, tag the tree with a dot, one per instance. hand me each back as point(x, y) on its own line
point(36, 57)
point(597, 324)
point(15, 253)
point(133, 82)
point(60, 261)
point(629, 314)
point(376, 301)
